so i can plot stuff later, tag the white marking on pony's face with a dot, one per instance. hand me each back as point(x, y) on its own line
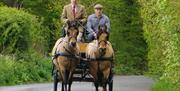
point(102, 43)
point(72, 35)
point(102, 48)
point(72, 42)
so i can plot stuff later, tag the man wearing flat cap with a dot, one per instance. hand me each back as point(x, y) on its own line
point(95, 20)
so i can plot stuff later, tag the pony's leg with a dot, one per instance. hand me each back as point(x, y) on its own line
point(96, 86)
point(66, 75)
point(104, 88)
point(62, 77)
point(55, 81)
point(106, 74)
point(105, 85)
point(70, 81)
point(62, 88)
point(65, 86)
point(64, 80)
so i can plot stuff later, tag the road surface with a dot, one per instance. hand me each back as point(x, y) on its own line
point(121, 83)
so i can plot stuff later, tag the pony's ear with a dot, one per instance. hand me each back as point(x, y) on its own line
point(68, 23)
point(77, 32)
point(99, 28)
point(105, 28)
point(102, 28)
point(107, 36)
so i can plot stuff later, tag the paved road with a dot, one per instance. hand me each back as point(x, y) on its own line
point(121, 83)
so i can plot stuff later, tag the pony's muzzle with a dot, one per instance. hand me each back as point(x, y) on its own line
point(73, 44)
point(102, 51)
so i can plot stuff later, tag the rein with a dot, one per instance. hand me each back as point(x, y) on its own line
point(102, 41)
point(71, 55)
point(68, 55)
point(101, 59)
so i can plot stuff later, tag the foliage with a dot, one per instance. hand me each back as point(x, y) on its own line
point(23, 38)
point(20, 32)
point(126, 27)
point(127, 36)
point(161, 31)
point(164, 86)
point(50, 11)
point(34, 32)
point(1, 4)
point(17, 72)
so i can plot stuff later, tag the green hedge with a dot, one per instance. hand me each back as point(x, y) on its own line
point(126, 23)
point(163, 85)
point(161, 31)
point(132, 21)
point(21, 32)
point(23, 44)
point(15, 72)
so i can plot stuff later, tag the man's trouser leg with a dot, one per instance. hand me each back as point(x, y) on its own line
point(79, 37)
point(63, 33)
point(91, 37)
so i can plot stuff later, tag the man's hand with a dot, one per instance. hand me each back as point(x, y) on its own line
point(95, 35)
point(67, 21)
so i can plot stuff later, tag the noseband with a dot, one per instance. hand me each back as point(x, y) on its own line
point(102, 41)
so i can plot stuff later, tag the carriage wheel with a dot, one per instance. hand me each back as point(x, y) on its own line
point(55, 80)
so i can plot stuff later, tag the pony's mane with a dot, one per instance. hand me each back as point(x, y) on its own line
point(92, 50)
point(63, 43)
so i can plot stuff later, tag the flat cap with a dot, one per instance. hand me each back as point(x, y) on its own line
point(98, 6)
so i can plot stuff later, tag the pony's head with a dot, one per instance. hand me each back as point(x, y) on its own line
point(72, 33)
point(102, 38)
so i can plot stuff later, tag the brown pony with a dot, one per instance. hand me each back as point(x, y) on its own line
point(100, 52)
point(66, 61)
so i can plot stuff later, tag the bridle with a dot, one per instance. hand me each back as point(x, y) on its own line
point(105, 41)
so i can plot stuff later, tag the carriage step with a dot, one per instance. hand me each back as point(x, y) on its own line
point(79, 79)
point(80, 71)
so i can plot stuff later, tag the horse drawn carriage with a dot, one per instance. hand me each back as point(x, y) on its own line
point(89, 68)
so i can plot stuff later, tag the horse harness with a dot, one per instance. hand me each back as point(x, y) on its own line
point(71, 55)
point(68, 54)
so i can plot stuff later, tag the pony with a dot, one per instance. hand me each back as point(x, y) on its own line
point(66, 60)
point(100, 53)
